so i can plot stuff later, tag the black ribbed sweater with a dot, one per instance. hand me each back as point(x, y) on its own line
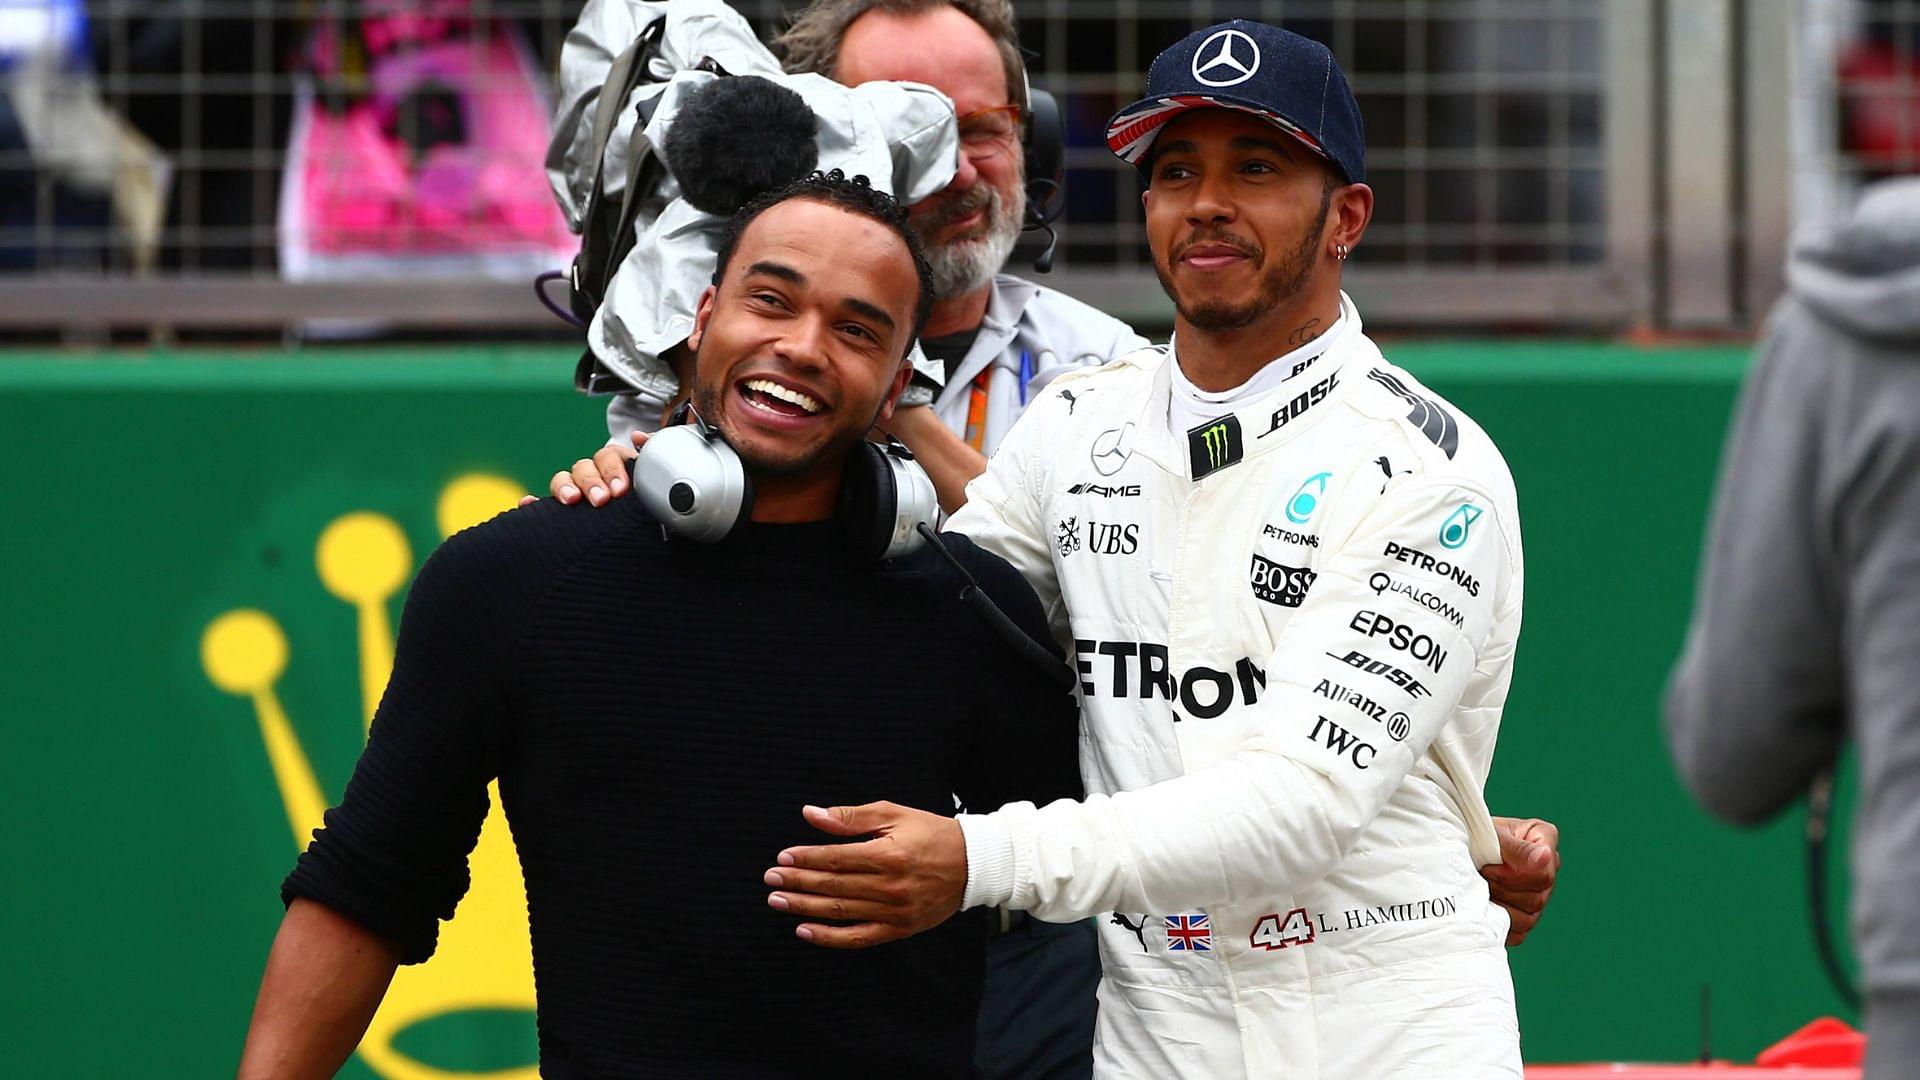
point(657, 712)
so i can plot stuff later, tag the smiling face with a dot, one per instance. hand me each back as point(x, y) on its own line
point(970, 227)
point(800, 347)
point(1237, 217)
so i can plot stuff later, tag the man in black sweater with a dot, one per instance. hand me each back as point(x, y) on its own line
point(763, 671)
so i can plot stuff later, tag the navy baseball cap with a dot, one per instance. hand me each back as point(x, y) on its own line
point(1289, 80)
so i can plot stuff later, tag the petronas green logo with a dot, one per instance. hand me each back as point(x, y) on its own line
point(1459, 524)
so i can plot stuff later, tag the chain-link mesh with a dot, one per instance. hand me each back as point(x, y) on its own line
point(154, 135)
point(1860, 97)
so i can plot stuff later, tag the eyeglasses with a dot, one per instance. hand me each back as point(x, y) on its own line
point(986, 133)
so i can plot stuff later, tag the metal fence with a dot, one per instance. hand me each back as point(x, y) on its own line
point(1856, 104)
point(1537, 163)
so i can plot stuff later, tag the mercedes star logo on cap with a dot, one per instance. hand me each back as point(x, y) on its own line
point(1231, 63)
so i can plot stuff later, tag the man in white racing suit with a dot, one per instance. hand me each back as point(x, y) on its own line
point(1291, 577)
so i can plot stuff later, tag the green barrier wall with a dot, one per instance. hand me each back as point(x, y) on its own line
point(156, 775)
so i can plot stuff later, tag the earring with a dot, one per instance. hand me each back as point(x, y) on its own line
point(1341, 251)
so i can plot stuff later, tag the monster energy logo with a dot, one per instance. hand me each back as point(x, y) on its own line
point(1215, 438)
point(1214, 445)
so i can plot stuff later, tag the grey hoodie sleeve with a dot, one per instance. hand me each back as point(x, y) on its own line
point(1754, 708)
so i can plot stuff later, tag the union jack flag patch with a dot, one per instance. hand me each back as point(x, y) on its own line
point(1189, 933)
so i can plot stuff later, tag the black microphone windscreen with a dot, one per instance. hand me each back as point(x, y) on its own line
point(737, 137)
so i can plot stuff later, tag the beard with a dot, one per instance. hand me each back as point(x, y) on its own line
point(962, 265)
point(1281, 282)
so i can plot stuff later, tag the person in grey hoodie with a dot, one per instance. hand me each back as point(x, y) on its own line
point(1806, 627)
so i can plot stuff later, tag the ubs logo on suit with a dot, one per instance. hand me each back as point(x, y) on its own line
point(1106, 539)
point(1099, 537)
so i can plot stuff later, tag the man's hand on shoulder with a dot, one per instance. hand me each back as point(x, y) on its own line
point(1529, 865)
point(603, 476)
point(907, 878)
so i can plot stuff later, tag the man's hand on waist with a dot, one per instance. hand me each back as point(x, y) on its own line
point(907, 878)
point(1523, 880)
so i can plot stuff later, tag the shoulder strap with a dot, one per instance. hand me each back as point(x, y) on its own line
point(590, 266)
point(643, 172)
point(627, 71)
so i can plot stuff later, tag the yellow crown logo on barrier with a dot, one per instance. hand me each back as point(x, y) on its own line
point(485, 958)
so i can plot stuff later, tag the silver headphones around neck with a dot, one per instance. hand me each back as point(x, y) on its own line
point(692, 482)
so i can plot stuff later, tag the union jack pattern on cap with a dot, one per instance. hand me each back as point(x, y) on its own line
point(1130, 133)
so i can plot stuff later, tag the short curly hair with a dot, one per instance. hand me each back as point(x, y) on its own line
point(856, 194)
point(812, 41)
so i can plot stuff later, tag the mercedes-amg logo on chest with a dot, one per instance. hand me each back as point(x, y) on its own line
point(1227, 58)
point(1112, 449)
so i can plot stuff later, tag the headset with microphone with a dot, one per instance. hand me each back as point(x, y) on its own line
point(694, 483)
point(1044, 145)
